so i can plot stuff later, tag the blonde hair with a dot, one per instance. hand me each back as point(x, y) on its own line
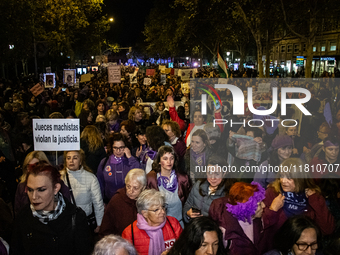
point(39, 155)
point(111, 115)
point(132, 112)
point(291, 169)
point(82, 163)
point(92, 137)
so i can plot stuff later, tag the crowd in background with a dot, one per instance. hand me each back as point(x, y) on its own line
point(136, 173)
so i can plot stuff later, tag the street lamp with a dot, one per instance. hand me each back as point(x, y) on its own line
point(111, 19)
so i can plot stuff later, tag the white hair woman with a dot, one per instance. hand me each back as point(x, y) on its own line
point(121, 211)
point(153, 232)
point(111, 245)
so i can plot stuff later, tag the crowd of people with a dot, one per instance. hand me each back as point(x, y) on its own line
point(148, 179)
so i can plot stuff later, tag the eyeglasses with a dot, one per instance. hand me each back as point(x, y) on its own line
point(119, 148)
point(158, 210)
point(304, 246)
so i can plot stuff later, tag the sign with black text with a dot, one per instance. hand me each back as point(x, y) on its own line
point(56, 134)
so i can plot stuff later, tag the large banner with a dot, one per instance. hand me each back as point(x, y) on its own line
point(114, 74)
point(56, 134)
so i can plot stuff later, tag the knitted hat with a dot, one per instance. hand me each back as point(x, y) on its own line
point(282, 141)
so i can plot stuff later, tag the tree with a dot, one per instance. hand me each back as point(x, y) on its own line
point(307, 24)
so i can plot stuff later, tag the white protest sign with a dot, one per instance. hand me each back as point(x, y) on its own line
point(133, 78)
point(163, 79)
point(147, 81)
point(114, 74)
point(263, 88)
point(56, 134)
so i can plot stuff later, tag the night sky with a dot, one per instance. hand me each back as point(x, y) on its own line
point(129, 16)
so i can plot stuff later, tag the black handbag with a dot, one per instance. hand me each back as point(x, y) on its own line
point(91, 219)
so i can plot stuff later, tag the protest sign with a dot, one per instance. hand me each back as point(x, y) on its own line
point(133, 78)
point(86, 77)
point(37, 89)
point(162, 68)
point(264, 88)
point(186, 74)
point(150, 72)
point(114, 74)
point(69, 76)
point(163, 79)
point(49, 80)
point(56, 134)
point(147, 81)
point(76, 85)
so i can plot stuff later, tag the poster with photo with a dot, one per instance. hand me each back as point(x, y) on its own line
point(114, 74)
point(133, 78)
point(49, 80)
point(69, 77)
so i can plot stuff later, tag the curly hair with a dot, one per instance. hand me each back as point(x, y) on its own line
point(175, 128)
point(116, 137)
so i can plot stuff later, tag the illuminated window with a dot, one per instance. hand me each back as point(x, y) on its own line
point(332, 46)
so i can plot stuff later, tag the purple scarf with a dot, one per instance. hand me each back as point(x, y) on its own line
point(156, 245)
point(170, 185)
point(115, 160)
point(199, 158)
point(148, 153)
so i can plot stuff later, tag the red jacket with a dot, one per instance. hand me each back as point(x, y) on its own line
point(141, 239)
point(184, 184)
point(316, 209)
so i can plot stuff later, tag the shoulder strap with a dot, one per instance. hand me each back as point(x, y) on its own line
point(71, 192)
point(170, 225)
point(133, 239)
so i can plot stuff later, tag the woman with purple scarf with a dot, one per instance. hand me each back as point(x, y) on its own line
point(240, 218)
point(166, 178)
point(153, 233)
point(113, 169)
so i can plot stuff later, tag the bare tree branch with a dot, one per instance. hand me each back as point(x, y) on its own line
point(290, 28)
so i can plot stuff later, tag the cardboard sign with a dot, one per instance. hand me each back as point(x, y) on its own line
point(37, 89)
point(147, 81)
point(86, 77)
point(49, 80)
point(56, 134)
point(69, 77)
point(150, 72)
point(114, 74)
point(263, 88)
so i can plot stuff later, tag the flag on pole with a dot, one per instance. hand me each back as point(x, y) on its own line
point(222, 66)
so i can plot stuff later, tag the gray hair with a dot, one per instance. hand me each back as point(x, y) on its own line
point(111, 244)
point(137, 174)
point(149, 198)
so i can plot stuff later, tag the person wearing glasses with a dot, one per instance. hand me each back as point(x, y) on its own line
point(113, 169)
point(153, 233)
point(299, 235)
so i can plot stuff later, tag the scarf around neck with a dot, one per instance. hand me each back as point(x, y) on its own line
point(198, 157)
point(45, 216)
point(156, 245)
point(295, 203)
point(168, 184)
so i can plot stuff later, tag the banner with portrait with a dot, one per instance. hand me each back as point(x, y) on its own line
point(49, 80)
point(69, 77)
